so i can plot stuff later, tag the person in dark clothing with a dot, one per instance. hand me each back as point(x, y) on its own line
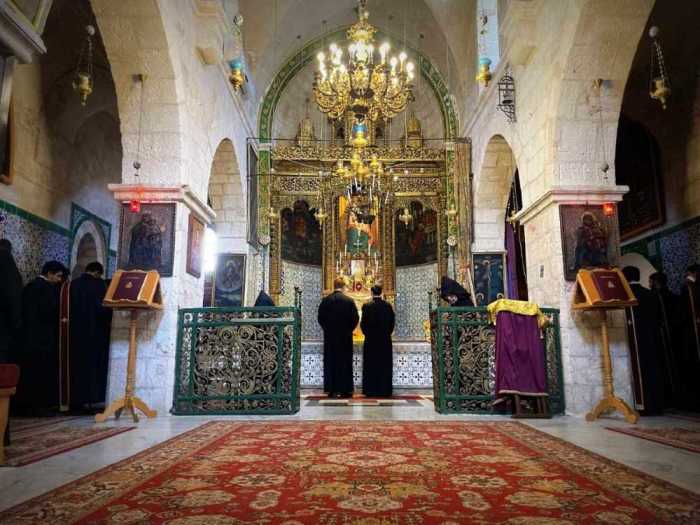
point(90, 326)
point(264, 300)
point(667, 336)
point(454, 293)
point(37, 392)
point(338, 317)
point(10, 302)
point(689, 318)
point(377, 324)
point(646, 359)
point(10, 310)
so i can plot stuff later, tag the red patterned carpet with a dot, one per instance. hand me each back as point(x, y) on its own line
point(683, 438)
point(363, 473)
point(34, 439)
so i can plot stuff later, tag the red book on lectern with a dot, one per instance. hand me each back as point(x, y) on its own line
point(602, 288)
point(134, 289)
point(609, 286)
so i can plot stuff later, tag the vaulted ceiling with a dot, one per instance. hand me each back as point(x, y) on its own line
point(442, 30)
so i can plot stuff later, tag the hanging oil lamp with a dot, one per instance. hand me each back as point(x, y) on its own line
point(83, 78)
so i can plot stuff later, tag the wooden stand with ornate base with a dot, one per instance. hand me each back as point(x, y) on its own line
point(129, 402)
point(609, 401)
point(604, 289)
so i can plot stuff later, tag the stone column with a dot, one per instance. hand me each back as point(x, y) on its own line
point(157, 330)
point(580, 331)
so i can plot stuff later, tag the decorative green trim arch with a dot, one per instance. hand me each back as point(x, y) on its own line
point(301, 58)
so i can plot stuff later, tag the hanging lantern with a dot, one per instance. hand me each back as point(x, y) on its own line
point(609, 209)
point(83, 78)
point(506, 96)
point(236, 76)
point(659, 83)
point(135, 206)
point(484, 76)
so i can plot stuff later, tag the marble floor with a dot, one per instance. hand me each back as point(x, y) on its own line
point(671, 464)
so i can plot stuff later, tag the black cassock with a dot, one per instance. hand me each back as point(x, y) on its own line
point(90, 327)
point(689, 348)
point(647, 358)
point(37, 391)
point(338, 317)
point(377, 324)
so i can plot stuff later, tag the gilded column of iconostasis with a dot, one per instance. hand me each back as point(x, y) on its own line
point(400, 242)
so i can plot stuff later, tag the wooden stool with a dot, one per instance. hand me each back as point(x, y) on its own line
point(9, 376)
point(541, 411)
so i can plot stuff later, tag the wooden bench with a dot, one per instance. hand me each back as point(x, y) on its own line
point(9, 376)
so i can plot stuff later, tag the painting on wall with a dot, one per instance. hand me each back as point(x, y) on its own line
point(489, 277)
point(589, 239)
point(195, 238)
point(417, 239)
point(147, 238)
point(229, 280)
point(638, 165)
point(301, 235)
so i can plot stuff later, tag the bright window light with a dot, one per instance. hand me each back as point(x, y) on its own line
point(210, 250)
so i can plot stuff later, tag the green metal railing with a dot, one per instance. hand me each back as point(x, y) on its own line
point(463, 344)
point(238, 361)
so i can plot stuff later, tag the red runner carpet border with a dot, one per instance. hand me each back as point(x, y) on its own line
point(548, 448)
point(650, 435)
point(95, 435)
point(18, 425)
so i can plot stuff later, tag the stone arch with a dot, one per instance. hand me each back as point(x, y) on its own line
point(605, 40)
point(307, 53)
point(134, 37)
point(88, 233)
point(491, 191)
point(227, 198)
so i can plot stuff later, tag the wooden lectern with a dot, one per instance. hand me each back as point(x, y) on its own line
point(603, 290)
point(135, 291)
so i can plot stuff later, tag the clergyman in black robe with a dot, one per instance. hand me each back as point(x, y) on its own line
point(90, 328)
point(667, 336)
point(690, 338)
point(10, 310)
point(377, 324)
point(454, 293)
point(647, 363)
point(338, 317)
point(37, 392)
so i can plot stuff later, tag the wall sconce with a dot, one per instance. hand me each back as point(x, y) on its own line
point(83, 78)
point(406, 216)
point(236, 76)
point(659, 83)
point(506, 96)
point(484, 76)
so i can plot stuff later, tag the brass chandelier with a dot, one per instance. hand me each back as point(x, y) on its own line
point(370, 88)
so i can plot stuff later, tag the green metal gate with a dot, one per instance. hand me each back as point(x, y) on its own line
point(238, 361)
point(463, 344)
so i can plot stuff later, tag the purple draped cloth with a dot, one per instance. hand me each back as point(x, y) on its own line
point(519, 355)
point(511, 263)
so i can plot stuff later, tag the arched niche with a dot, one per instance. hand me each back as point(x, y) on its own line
point(88, 245)
point(491, 194)
point(298, 62)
